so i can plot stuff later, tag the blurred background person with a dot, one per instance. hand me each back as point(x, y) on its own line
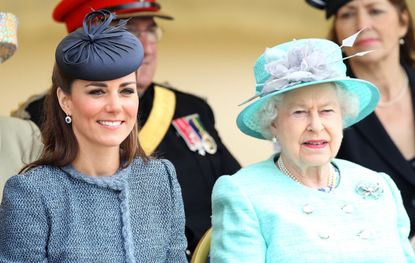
point(302, 204)
point(385, 140)
point(93, 195)
point(175, 125)
point(20, 141)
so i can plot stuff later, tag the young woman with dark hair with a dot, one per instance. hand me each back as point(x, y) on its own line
point(93, 196)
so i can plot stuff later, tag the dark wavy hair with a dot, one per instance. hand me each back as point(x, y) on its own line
point(60, 143)
point(407, 50)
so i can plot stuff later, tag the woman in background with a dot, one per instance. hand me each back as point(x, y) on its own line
point(93, 195)
point(385, 140)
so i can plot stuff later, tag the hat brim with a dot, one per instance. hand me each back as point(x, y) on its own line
point(157, 14)
point(367, 93)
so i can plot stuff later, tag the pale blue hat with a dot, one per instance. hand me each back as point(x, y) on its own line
point(303, 63)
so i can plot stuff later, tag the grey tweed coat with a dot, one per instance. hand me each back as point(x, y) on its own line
point(52, 214)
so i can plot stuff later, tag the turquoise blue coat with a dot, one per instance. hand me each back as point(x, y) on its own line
point(261, 215)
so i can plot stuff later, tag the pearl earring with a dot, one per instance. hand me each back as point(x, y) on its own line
point(68, 119)
point(401, 41)
point(274, 139)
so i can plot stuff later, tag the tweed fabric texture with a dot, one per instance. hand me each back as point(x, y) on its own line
point(52, 214)
point(262, 215)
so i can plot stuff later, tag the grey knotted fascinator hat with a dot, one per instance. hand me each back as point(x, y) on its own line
point(98, 51)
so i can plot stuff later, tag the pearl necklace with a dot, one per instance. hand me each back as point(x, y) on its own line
point(330, 181)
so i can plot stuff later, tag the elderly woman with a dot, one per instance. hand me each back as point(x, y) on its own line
point(93, 196)
point(389, 29)
point(302, 204)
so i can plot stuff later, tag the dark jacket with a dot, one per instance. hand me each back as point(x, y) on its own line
point(367, 143)
point(196, 173)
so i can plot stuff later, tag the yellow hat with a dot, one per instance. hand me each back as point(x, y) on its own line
point(8, 35)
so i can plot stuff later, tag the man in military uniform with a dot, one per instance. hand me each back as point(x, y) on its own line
point(175, 125)
point(20, 141)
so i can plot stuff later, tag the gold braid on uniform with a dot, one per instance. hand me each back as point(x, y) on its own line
point(159, 120)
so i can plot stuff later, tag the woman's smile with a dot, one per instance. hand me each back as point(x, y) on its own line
point(110, 124)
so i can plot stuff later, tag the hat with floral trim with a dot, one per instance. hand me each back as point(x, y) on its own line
point(298, 64)
point(8, 35)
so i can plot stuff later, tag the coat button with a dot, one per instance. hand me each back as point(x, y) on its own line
point(364, 234)
point(324, 235)
point(308, 209)
point(348, 209)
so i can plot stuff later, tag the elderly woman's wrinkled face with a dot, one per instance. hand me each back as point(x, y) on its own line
point(309, 125)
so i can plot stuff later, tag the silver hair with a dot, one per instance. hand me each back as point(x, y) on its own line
point(349, 105)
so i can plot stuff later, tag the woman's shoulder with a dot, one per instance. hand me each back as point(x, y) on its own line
point(153, 164)
point(357, 173)
point(353, 168)
point(252, 175)
point(35, 179)
point(37, 175)
point(153, 169)
point(259, 169)
point(160, 172)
